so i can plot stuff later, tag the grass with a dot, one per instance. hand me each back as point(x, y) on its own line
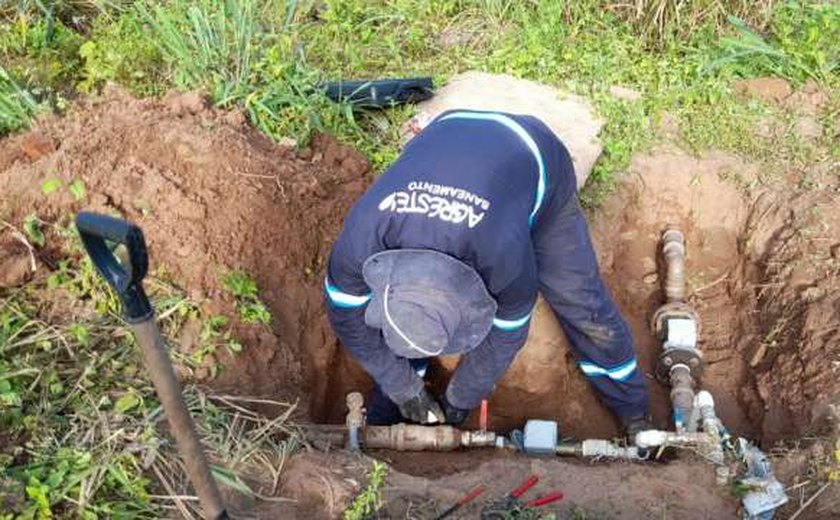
point(267, 56)
point(81, 424)
point(803, 44)
point(17, 106)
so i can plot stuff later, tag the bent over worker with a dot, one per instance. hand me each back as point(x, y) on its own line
point(445, 253)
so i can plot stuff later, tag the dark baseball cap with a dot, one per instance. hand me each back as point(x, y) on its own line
point(427, 303)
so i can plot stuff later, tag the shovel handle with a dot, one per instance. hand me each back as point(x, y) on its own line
point(180, 421)
point(125, 278)
point(127, 281)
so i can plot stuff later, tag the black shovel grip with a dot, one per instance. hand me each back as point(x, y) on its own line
point(126, 279)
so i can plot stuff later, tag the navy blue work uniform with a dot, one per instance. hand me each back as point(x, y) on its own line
point(497, 192)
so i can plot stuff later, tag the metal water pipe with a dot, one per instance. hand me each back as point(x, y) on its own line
point(676, 325)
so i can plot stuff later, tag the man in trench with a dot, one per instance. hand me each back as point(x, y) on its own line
point(444, 255)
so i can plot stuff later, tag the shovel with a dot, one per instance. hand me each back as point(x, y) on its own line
point(127, 281)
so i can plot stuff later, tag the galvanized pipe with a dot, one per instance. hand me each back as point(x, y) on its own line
point(598, 448)
point(415, 437)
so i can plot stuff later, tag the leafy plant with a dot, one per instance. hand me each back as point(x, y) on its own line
point(41, 55)
point(17, 106)
point(369, 501)
point(32, 229)
point(248, 304)
point(120, 51)
point(77, 189)
point(51, 186)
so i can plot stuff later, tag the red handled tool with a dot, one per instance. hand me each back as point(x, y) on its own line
point(525, 486)
point(547, 499)
point(469, 497)
point(512, 503)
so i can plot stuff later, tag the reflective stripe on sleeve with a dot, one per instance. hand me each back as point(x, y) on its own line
point(343, 299)
point(511, 324)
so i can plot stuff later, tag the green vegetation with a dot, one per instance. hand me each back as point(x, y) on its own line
point(369, 501)
point(248, 304)
point(80, 420)
point(17, 106)
point(267, 57)
point(803, 44)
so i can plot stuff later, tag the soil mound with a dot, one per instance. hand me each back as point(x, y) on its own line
point(211, 195)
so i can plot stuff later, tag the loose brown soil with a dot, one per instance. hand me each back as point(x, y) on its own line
point(212, 195)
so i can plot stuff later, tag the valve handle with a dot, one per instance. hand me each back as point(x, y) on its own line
point(126, 279)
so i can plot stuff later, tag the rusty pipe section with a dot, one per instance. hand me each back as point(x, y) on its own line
point(682, 394)
point(415, 437)
point(673, 249)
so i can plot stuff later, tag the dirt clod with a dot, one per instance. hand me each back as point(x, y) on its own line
point(769, 90)
point(15, 263)
point(36, 145)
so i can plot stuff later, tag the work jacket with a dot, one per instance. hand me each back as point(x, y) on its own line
point(471, 185)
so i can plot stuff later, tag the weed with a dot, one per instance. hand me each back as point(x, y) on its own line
point(76, 13)
point(118, 51)
point(248, 304)
point(215, 334)
point(369, 501)
point(77, 189)
point(32, 229)
point(42, 56)
point(17, 106)
point(227, 48)
point(804, 42)
point(660, 20)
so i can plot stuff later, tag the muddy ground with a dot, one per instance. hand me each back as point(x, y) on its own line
point(212, 195)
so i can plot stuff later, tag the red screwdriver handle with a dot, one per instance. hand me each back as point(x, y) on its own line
point(551, 497)
point(525, 486)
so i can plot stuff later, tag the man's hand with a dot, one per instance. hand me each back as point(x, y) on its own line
point(454, 416)
point(422, 409)
point(634, 425)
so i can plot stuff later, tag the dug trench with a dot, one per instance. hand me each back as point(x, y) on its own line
point(760, 278)
point(212, 195)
